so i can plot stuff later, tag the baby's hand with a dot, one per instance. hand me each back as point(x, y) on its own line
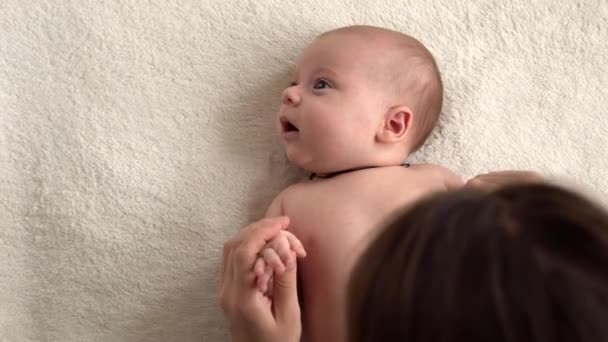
point(278, 254)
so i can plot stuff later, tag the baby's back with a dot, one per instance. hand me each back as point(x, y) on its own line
point(336, 219)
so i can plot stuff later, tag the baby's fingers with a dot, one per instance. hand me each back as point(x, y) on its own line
point(272, 258)
point(296, 245)
point(283, 248)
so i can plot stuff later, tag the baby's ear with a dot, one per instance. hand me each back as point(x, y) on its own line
point(397, 121)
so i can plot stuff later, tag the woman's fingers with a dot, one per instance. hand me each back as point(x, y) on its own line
point(494, 180)
point(259, 267)
point(262, 282)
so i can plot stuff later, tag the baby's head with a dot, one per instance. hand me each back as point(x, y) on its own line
point(360, 96)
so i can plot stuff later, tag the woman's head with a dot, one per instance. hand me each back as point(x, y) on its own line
point(524, 263)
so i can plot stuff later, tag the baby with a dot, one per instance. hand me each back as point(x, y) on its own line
point(362, 99)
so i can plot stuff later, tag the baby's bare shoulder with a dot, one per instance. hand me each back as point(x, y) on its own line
point(296, 191)
point(277, 207)
point(359, 182)
point(428, 167)
point(438, 173)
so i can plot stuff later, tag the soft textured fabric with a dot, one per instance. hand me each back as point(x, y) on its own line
point(137, 136)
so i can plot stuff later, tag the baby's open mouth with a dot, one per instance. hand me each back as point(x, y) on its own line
point(288, 126)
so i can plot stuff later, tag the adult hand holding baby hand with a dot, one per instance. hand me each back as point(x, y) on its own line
point(251, 315)
point(282, 251)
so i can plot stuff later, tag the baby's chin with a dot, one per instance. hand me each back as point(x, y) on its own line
point(299, 161)
point(321, 163)
point(310, 165)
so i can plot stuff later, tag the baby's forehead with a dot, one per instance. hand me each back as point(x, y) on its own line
point(346, 47)
point(347, 52)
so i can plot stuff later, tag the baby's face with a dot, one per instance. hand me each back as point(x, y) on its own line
point(331, 111)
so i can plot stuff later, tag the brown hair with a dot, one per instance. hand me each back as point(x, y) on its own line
point(524, 263)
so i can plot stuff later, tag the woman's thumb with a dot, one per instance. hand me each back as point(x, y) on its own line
point(285, 293)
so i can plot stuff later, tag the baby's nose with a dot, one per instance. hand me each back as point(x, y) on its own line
point(291, 96)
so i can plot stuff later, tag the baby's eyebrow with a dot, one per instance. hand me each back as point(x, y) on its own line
point(324, 70)
point(316, 71)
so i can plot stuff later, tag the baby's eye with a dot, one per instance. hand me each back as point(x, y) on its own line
point(321, 84)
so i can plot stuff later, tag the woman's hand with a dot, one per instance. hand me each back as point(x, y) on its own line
point(251, 315)
point(494, 180)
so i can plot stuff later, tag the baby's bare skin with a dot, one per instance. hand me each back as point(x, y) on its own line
point(335, 219)
point(359, 97)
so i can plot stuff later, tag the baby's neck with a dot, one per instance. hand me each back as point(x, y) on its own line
point(333, 174)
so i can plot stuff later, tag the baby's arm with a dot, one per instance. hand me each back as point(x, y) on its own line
point(278, 253)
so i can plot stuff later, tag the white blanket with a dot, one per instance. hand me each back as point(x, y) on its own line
point(136, 136)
